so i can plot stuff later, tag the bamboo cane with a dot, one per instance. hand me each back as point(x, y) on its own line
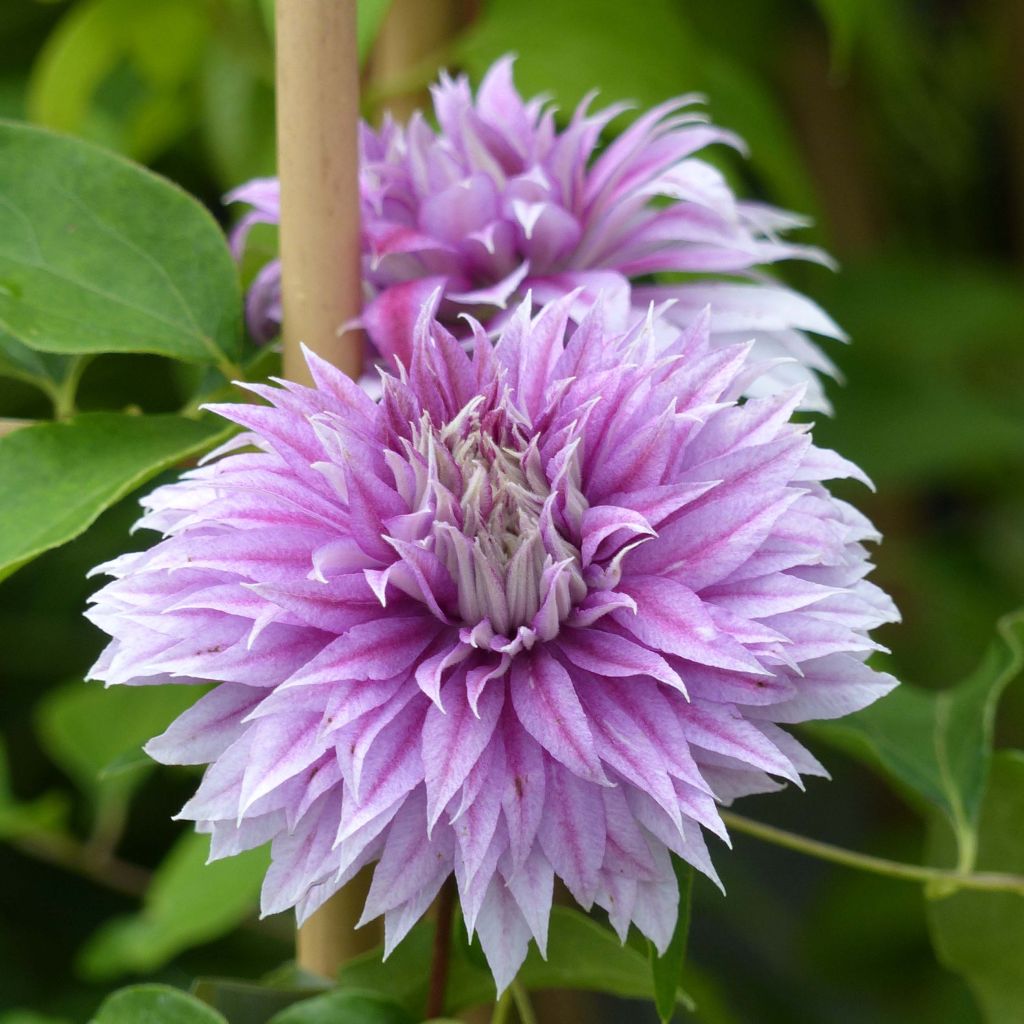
point(409, 49)
point(317, 157)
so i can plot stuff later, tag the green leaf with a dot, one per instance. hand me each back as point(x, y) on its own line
point(122, 73)
point(154, 1004)
point(247, 1002)
point(937, 745)
point(189, 902)
point(582, 954)
point(977, 934)
point(100, 255)
point(73, 723)
point(238, 116)
point(42, 369)
point(347, 1007)
point(59, 477)
point(667, 970)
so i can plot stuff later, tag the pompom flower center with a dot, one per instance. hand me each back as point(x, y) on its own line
point(489, 512)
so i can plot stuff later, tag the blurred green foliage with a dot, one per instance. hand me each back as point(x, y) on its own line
point(898, 125)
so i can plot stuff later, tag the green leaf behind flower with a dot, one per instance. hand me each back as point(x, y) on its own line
point(937, 745)
point(59, 477)
point(189, 902)
point(582, 954)
point(121, 73)
point(667, 970)
point(345, 1007)
point(154, 1004)
point(980, 935)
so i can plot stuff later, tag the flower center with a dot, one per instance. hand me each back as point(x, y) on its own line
point(495, 527)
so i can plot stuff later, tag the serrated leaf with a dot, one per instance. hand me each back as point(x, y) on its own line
point(937, 745)
point(59, 477)
point(100, 255)
point(347, 1007)
point(980, 935)
point(189, 902)
point(154, 1004)
point(667, 970)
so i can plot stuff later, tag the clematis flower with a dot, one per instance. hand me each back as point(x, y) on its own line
point(498, 201)
point(535, 613)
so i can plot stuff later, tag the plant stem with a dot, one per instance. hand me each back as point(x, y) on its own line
point(985, 881)
point(502, 1008)
point(66, 852)
point(523, 1005)
point(442, 949)
point(63, 395)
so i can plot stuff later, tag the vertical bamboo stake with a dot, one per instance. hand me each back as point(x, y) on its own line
point(317, 162)
point(317, 159)
point(414, 33)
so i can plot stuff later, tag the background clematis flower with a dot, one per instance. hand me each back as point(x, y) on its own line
point(498, 201)
point(535, 613)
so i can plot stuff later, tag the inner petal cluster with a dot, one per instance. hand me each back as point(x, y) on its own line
point(481, 504)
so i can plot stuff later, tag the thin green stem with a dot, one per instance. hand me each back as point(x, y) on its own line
point(502, 1008)
point(523, 1005)
point(68, 853)
point(950, 881)
point(63, 395)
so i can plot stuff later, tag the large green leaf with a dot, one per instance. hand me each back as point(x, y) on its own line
point(937, 745)
point(73, 723)
point(582, 954)
point(189, 902)
point(122, 73)
point(981, 935)
point(99, 255)
point(42, 369)
point(154, 1004)
point(667, 970)
point(58, 477)
point(345, 1007)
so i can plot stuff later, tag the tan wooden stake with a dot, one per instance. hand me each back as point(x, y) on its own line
point(317, 161)
point(411, 46)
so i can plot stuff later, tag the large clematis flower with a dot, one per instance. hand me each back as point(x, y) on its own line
point(535, 613)
point(498, 201)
